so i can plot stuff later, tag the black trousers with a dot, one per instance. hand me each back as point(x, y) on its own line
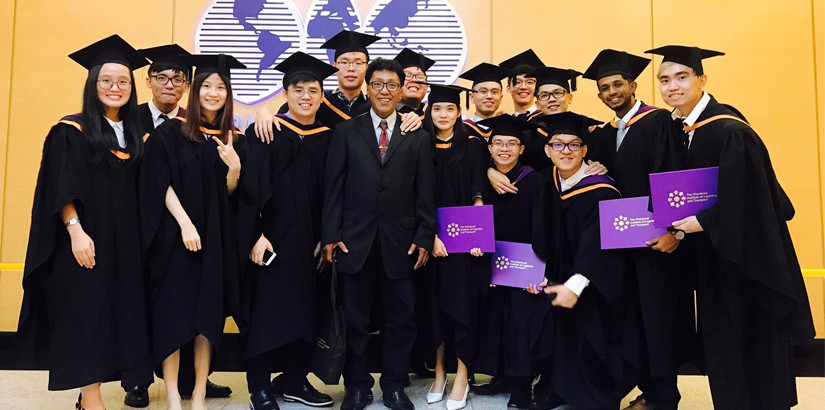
point(290, 358)
point(397, 298)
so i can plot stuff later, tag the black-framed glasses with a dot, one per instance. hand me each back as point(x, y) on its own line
point(350, 64)
point(495, 92)
point(560, 146)
point(106, 84)
point(417, 77)
point(163, 80)
point(545, 95)
point(378, 86)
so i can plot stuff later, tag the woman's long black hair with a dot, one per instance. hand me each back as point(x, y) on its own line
point(93, 112)
point(460, 139)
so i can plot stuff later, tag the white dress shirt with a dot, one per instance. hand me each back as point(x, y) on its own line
point(376, 121)
point(118, 127)
point(156, 112)
point(630, 113)
point(577, 282)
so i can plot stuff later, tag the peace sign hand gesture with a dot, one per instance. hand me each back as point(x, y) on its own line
point(228, 154)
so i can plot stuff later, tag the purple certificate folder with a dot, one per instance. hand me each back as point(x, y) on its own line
point(626, 223)
point(462, 228)
point(680, 194)
point(516, 265)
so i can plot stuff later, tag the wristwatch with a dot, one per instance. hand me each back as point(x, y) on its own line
point(678, 234)
point(72, 221)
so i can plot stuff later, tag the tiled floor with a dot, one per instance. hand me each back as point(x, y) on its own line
point(26, 390)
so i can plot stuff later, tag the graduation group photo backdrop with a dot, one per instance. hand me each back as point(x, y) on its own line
point(774, 72)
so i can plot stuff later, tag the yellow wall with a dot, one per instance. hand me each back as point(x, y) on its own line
point(774, 72)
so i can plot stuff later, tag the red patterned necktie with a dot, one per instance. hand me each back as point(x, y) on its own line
point(384, 140)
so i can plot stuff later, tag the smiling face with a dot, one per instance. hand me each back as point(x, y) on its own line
point(166, 94)
point(444, 116)
point(616, 92)
point(681, 88)
point(522, 91)
point(554, 105)
point(212, 96)
point(486, 97)
point(566, 160)
point(351, 77)
point(113, 97)
point(383, 101)
point(303, 99)
point(505, 150)
point(413, 92)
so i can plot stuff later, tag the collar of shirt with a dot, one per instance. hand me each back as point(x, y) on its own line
point(156, 112)
point(340, 94)
point(530, 109)
point(376, 121)
point(695, 113)
point(119, 134)
point(630, 113)
point(567, 183)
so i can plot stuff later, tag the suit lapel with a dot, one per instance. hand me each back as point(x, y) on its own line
point(368, 134)
point(396, 139)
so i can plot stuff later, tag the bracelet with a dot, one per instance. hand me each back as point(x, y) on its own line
point(71, 221)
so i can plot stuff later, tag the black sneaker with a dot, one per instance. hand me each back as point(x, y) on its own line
point(137, 396)
point(497, 385)
point(261, 400)
point(216, 391)
point(519, 399)
point(306, 393)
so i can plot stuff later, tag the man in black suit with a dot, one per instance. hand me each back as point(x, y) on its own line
point(379, 221)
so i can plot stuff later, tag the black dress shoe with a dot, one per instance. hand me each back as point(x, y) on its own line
point(356, 399)
point(306, 393)
point(497, 385)
point(519, 399)
point(137, 396)
point(398, 400)
point(261, 400)
point(216, 391)
point(545, 401)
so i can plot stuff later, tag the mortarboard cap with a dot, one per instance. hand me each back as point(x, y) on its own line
point(172, 55)
point(485, 72)
point(611, 62)
point(506, 124)
point(301, 62)
point(684, 55)
point(567, 122)
point(522, 63)
point(347, 41)
point(563, 77)
point(112, 49)
point(409, 58)
point(446, 93)
point(214, 63)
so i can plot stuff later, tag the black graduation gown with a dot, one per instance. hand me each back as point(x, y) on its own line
point(752, 301)
point(92, 322)
point(460, 280)
point(334, 110)
point(596, 355)
point(278, 301)
point(516, 331)
point(190, 293)
point(664, 290)
point(147, 124)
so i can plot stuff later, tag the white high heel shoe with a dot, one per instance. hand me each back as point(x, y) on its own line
point(436, 397)
point(459, 404)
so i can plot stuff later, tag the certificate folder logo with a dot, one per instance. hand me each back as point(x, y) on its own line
point(676, 198)
point(453, 230)
point(502, 263)
point(621, 223)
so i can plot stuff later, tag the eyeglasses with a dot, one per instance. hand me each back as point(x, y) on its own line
point(509, 144)
point(495, 92)
point(408, 77)
point(298, 91)
point(530, 82)
point(350, 64)
point(378, 86)
point(544, 95)
point(560, 146)
point(106, 83)
point(163, 80)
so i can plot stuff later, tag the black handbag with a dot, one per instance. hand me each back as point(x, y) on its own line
point(327, 360)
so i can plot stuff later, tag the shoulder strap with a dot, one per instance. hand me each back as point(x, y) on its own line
point(335, 109)
point(634, 119)
point(299, 131)
point(712, 119)
point(478, 130)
